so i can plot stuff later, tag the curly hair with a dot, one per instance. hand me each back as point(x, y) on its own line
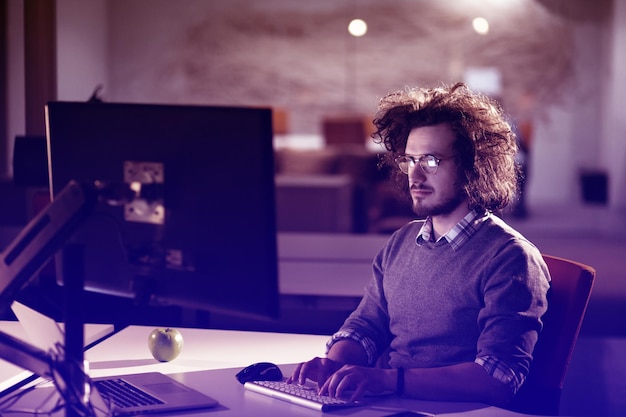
point(485, 145)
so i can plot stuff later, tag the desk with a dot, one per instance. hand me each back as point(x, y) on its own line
point(127, 351)
point(210, 359)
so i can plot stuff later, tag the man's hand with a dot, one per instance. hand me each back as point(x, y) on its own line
point(342, 352)
point(359, 380)
point(337, 380)
point(317, 369)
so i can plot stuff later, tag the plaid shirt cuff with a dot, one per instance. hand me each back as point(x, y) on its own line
point(502, 372)
point(366, 343)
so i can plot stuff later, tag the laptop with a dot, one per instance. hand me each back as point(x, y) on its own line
point(146, 393)
point(121, 395)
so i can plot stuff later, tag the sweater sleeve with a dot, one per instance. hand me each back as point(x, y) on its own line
point(515, 286)
point(369, 322)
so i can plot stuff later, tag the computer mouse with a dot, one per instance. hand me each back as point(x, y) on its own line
point(262, 371)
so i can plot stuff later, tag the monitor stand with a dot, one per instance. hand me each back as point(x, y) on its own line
point(73, 275)
point(37, 242)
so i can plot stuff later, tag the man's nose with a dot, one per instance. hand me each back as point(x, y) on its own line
point(417, 172)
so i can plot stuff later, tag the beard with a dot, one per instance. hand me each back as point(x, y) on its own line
point(445, 205)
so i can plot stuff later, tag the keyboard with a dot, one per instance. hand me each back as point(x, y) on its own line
point(123, 395)
point(304, 395)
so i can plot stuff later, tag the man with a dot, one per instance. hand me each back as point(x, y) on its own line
point(454, 307)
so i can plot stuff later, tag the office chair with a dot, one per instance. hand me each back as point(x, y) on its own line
point(567, 302)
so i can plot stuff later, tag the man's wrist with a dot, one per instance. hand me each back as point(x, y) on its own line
point(347, 351)
point(366, 344)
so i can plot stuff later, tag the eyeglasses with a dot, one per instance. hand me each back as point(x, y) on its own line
point(428, 163)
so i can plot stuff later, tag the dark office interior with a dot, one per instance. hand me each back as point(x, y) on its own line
point(556, 65)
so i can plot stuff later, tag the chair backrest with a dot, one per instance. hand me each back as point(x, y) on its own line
point(569, 295)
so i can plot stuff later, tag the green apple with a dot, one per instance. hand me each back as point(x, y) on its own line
point(165, 344)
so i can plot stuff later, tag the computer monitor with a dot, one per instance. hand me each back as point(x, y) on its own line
point(203, 232)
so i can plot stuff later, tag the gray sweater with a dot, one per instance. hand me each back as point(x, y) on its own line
point(431, 306)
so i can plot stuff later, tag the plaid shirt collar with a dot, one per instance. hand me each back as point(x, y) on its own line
point(459, 234)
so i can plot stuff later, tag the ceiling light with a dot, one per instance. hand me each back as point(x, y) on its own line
point(357, 28)
point(480, 25)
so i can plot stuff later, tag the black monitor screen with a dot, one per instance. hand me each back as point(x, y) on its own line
point(203, 231)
